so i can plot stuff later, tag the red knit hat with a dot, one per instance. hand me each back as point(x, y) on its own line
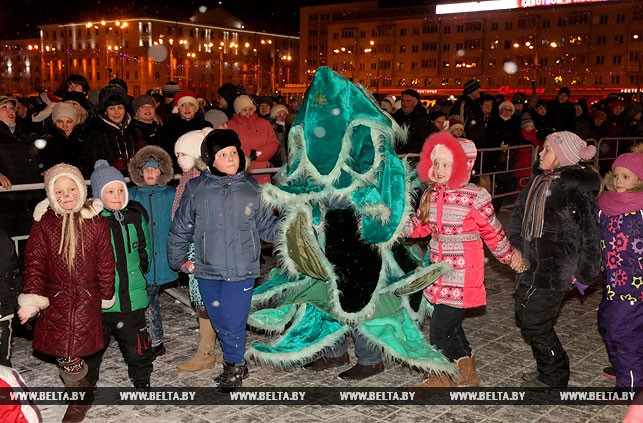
point(185, 96)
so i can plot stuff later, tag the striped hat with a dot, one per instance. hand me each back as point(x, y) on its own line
point(570, 148)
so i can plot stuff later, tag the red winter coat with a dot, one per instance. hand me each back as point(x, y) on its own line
point(70, 321)
point(256, 134)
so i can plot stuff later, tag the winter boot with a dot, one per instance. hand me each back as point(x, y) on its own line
point(325, 363)
point(362, 371)
point(467, 370)
point(437, 380)
point(204, 357)
point(232, 377)
point(77, 410)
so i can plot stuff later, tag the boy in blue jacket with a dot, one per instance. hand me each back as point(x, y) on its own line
point(222, 213)
point(151, 169)
point(126, 318)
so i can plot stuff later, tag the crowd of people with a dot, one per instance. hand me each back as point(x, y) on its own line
point(94, 267)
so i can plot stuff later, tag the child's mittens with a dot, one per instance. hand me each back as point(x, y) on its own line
point(27, 312)
point(580, 286)
point(105, 304)
point(187, 267)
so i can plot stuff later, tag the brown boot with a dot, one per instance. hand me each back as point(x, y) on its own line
point(437, 380)
point(324, 363)
point(467, 370)
point(362, 371)
point(77, 410)
point(204, 357)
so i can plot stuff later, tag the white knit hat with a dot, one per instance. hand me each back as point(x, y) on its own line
point(57, 172)
point(64, 110)
point(190, 142)
point(276, 109)
point(242, 102)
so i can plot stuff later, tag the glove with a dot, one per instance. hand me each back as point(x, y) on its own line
point(580, 286)
point(187, 267)
point(27, 312)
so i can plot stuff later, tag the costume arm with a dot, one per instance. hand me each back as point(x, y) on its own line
point(490, 228)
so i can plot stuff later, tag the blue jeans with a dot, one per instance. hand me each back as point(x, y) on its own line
point(367, 355)
point(153, 315)
point(228, 306)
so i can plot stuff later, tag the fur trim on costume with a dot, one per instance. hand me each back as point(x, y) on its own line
point(105, 304)
point(135, 165)
point(33, 300)
point(460, 173)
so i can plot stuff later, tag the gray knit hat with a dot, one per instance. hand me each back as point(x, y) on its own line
point(170, 89)
point(471, 86)
point(104, 174)
point(140, 101)
point(216, 117)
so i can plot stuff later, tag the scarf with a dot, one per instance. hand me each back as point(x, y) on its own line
point(534, 217)
point(615, 203)
point(185, 177)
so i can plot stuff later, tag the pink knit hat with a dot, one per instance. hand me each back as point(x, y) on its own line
point(570, 148)
point(632, 162)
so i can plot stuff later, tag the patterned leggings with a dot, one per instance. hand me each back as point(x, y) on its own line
point(195, 294)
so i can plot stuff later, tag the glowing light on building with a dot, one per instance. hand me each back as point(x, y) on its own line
point(481, 6)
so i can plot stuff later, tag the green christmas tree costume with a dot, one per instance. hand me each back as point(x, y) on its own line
point(345, 198)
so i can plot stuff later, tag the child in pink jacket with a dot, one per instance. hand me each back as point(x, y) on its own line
point(459, 216)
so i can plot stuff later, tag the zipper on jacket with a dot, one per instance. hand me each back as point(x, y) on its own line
point(203, 255)
point(153, 260)
point(254, 244)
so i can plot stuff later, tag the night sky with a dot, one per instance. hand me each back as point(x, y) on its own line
point(20, 18)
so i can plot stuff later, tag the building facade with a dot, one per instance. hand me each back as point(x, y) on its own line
point(20, 67)
point(148, 52)
point(594, 48)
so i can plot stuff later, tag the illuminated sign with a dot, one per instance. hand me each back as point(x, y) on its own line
point(507, 90)
point(481, 6)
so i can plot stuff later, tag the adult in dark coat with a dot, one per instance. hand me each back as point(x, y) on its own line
point(18, 165)
point(111, 136)
point(61, 141)
point(413, 116)
point(468, 107)
point(561, 112)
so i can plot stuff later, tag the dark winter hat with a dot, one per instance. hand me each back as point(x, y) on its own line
point(140, 101)
point(170, 89)
point(264, 99)
point(565, 90)
point(518, 98)
point(216, 141)
point(104, 174)
point(78, 97)
point(119, 82)
point(471, 86)
point(436, 114)
point(111, 95)
point(412, 93)
point(525, 119)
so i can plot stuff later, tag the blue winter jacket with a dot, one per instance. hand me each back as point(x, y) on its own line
point(157, 201)
point(224, 217)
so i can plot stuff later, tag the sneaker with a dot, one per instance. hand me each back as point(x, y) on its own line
point(609, 372)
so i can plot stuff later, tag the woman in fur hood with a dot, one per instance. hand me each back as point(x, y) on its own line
point(620, 314)
point(151, 169)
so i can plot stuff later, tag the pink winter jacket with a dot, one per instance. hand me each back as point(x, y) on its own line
point(256, 134)
point(460, 219)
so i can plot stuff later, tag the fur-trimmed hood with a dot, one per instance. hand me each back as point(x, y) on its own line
point(462, 164)
point(135, 166)
point(90, 209)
